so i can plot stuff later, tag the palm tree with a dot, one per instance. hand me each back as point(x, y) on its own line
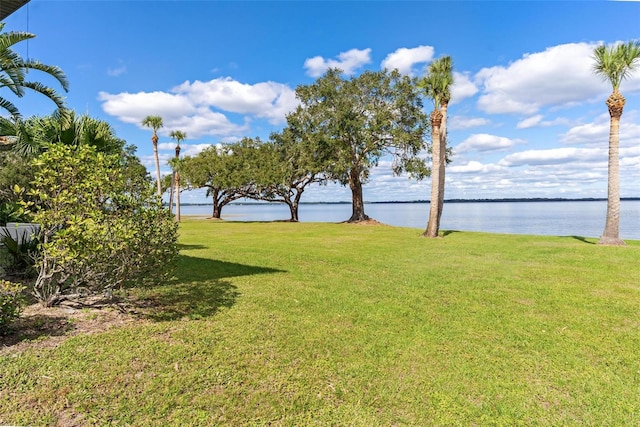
point(13, 72)
point(179, 136)
point(34, 135)
point(14, 69)
point(437, 85)
point(614, 63)
point(155, 123)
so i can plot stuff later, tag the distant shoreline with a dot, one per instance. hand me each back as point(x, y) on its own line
point(504, 200)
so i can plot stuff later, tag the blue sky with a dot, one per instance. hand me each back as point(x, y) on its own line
point(527, 117)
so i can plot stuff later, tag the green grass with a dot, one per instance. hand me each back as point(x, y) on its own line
point(337, 324)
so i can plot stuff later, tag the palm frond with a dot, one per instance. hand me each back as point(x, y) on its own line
point(52, 70)
point(12, 38)
point(9, 107)
point(153, 122)
point(46, 91)
point(614, 63)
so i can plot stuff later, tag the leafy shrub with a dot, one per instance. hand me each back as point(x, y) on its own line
point(10, 303)
point(101, 227)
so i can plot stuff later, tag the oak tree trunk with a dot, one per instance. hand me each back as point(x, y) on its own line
point(217, 208)
point(294, 205)
point(357, 199)
point(293, 209)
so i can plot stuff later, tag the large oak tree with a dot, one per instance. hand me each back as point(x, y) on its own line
point(359, 120)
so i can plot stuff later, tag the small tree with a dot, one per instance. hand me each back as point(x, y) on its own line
point(222, 171)
point(101, 227)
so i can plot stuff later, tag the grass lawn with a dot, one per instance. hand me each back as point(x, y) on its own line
point(338, 324)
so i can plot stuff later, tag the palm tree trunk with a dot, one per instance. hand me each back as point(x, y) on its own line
point(177, 196)
point(433, 226)
point(443, 160)
point(611, 234)
point(173, 184)
point(155, 154)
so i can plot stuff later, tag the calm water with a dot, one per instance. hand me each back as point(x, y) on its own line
point(566, 218)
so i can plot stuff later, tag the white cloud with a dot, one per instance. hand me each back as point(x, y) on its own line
point(462, 87)
point(404, 59)
point(560, 76)
point(554, 156)
point(484, 142)
point(133, 107)
point(456, 122)
point(474, 167)
point(348, 62)
point(536, 121)
point(191, 107)
point(266, 100)
point(597, 132)
point(530, 122)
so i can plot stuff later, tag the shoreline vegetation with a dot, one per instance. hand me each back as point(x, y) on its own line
point(502, 200)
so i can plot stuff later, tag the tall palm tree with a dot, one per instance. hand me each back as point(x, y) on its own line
point(14, 69)
point(155, 123)
point(614, 63)
point(179, 136)
point(437, 85)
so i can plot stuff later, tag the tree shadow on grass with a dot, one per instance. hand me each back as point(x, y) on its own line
point(582, 239)
point(199, 291)
point(182, 246)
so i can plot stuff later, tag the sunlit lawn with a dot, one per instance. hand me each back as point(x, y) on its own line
point(337, 324)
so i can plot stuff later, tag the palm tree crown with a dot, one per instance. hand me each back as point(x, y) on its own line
point(437, 83)
point(179, 136)
point(615, 63)
point(155, 123)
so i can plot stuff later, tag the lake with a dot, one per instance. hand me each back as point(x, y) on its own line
point(554, 218)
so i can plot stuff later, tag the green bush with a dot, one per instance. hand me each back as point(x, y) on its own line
point(10, 303)
point(101, 228)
